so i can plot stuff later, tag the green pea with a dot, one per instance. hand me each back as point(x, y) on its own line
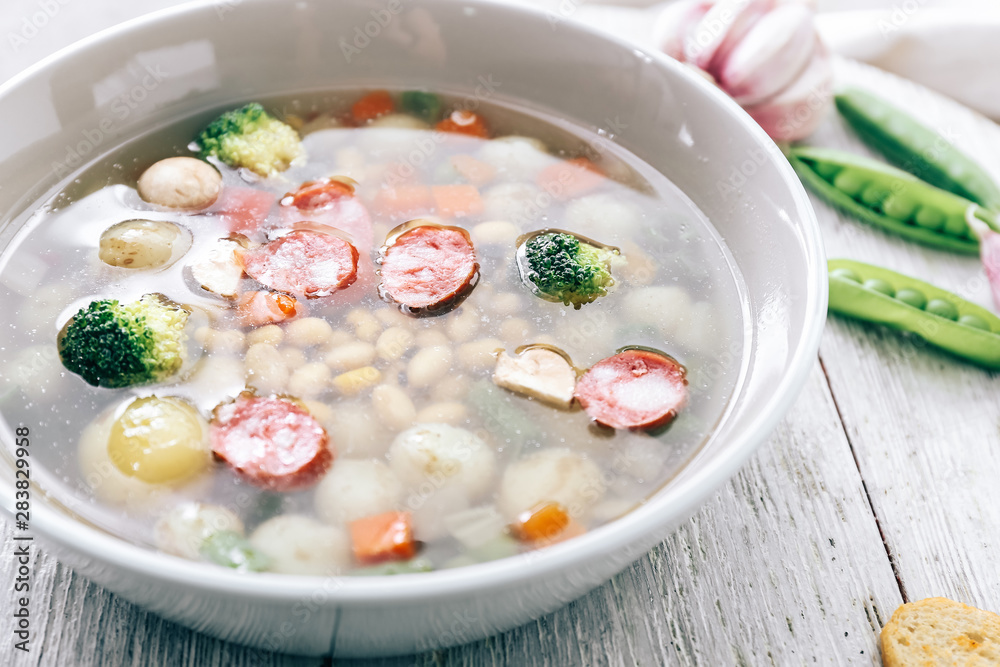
point(845, 274)
point(955, 225)
point(949, 321)
point(881, 286)
point(827, 170)
point(942, 308)
point(974, 321)
point(929, 218)
point(912, 297)
point(873, 195)
point(916, 148)
point(899, 207)
point(231, 549)
point(850, 182)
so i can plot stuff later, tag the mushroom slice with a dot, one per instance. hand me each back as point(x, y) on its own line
point(540, 372)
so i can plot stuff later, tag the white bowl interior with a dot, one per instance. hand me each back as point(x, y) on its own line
point(197, 58)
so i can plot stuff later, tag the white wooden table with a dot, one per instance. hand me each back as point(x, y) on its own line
point(881, 486)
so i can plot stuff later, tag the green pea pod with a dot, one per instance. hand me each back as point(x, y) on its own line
point(912, 146)
point(230, 549)
point(947, 321)
point(888, 198)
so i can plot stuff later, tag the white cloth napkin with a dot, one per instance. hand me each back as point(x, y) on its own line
point(951, 46)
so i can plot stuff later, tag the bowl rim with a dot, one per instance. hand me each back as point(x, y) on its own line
point(686, 495)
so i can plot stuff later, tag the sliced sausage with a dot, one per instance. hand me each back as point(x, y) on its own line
point(318, 194)
point(271, 442)
point(256, 309)
point(429, 269)
point(635, 389)
point(304, 262)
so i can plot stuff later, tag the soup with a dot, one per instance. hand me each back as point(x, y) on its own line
point(367, 332)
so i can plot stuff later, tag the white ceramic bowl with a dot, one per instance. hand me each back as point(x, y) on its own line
point(89, 97)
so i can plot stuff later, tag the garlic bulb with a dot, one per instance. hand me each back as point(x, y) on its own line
point(764, 53)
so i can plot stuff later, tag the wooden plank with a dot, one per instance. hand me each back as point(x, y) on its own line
point(924, 425)
point(784, 565)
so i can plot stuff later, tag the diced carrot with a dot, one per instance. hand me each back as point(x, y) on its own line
point(542, 522)
point(262, 307)
point(474, 171)
point(383, 537)
point(243, 210)
point(465, 122)
point(404, 201)
point(573, 529)
point(371, 106)
point(457, 200)
point(565, 180)
point(318, 194)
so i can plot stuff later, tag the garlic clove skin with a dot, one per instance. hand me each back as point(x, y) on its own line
point(773, 53)
point(676, 24)
point(795, 112)
point(721, 28)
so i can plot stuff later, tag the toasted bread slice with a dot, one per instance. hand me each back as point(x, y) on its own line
point(939, 631)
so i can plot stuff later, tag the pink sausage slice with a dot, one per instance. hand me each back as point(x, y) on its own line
point(635, 389)
point(271, 442)
point(308, 263)
point(429, 269)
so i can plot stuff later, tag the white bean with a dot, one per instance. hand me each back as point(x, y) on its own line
point(297, 544)
point(464, 324)
point(450, 388)
point(310, 380)
point(506, 303)
point(393, 406)
point(428, 366)
point(180, 182)
point(393, 343)
point(516, 331)
point(431, 338)
point(479, 354)
point(221, 341)
point(496, 232)
point(294, 357)
point(366, 326)
point(266, 370)
point(354, 489)
point(271, 334)
point(356, 381)
point(349, 356)
point(339, 337)
point(308, 331)
point(453, 413)
point(392, 317)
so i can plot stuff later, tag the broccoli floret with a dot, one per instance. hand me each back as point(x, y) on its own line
point(113, 345)
point(250, 137)
point(564, 268)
